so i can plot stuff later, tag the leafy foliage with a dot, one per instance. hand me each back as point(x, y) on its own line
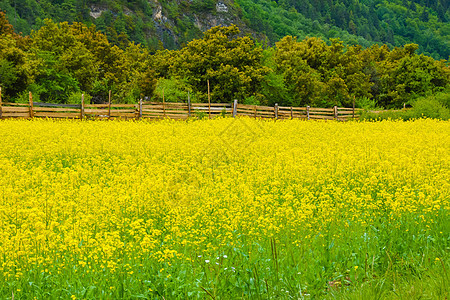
point(232, 64)
point(391, 22)
point(61, 60)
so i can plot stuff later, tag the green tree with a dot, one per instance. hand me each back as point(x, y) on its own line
point(230, 62)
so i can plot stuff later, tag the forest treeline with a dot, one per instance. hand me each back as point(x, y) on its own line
point(393, 22)
point(390, 22)
point(60, 61)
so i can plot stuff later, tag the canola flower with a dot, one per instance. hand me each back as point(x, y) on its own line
point(226, 206)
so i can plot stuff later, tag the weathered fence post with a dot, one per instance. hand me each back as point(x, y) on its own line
point(164, 106)
point(255, 112)
point(1, 111)
point(307, 111)
point(30, 97)
point(109, 104)
point(140, 108)
point(82, 107)
point(235, 103)
point(292, 113)
point(209, 101)
point(276, 111)
point(335, 110)
point(189, 105)
point(354, 106)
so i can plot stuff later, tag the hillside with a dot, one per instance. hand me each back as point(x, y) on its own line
point(173, 23)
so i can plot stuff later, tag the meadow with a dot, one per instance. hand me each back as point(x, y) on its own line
point(224, 209)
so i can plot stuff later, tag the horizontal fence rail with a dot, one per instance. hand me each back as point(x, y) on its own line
point(161, 110)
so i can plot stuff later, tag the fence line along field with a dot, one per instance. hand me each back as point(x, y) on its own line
point(170, 110)
point(225, 208)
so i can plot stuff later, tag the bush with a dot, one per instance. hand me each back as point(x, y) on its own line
point(431, 107)
point(435, 107)
point(444, 98)
point(174, 90)
point(366, 103)
point(75, 98)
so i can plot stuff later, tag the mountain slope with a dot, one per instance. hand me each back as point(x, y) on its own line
point(172, 23)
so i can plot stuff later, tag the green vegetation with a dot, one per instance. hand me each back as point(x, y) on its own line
point(60, 61)
point(434, 106)
point(393, 22)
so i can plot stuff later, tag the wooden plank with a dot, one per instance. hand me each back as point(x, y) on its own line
point(15, 109)
point(169, 107)
point(16, 115)
point(212, 109)
point(176, 105)
point(55, 109)
point(229, 105)
point(129, 116)
point(249, 107)
point(324, 113)
point(158, 111)
point(281, 112)
point(123, 106)
point(149, 112)
point(122, 111)
point(96, 111)
point(348, 117)
point(152, 107)
point(245, 114)
point(176, 112)
point(42, 104)
point(96, 106)
point(245, 106)
point(345, 108)
point(127, 112)
point(56, 115)
point(150, 103)
point(264, 108)
point(15, 104)
point(318, 117)
point(284, 112)
point(240, 112)
point(269, 113)
point(311, 109)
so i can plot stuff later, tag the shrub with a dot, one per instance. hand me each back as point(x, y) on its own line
point(431, 107)
point(434, 106)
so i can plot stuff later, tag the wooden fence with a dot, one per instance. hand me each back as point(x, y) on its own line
point(160, 110)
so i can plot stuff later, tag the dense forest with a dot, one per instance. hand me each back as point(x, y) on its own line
point(60, 61)
point(174, 23)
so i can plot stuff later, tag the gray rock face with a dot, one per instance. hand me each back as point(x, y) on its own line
point(221, 7)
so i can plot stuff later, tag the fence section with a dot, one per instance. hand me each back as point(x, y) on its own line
point(160, 110)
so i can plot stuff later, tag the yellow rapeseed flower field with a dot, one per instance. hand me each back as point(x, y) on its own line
point(220, 208)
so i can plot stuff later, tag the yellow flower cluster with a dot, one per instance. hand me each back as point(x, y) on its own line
point(101, 196)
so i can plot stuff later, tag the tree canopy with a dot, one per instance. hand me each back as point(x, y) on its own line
point(60, 61)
